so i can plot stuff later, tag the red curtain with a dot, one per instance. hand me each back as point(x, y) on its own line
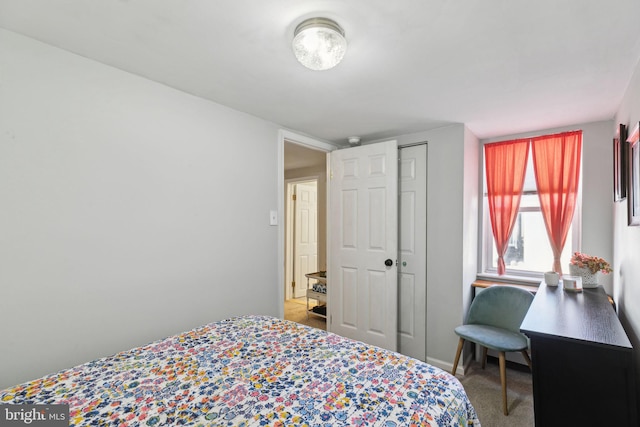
point(556, 162)
point(505, 166)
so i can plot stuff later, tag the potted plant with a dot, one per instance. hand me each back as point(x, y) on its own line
point(588, 267)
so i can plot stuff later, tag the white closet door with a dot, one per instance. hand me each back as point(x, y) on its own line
point(412, 248)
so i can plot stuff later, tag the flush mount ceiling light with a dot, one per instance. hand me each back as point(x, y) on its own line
point(319, 43)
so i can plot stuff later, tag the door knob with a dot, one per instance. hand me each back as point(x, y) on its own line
point(388, 262)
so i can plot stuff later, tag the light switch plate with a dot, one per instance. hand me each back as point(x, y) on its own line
point(273, 218)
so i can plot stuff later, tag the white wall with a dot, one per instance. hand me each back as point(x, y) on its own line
point(471, 203)
point(626, 265)
point(130, 211)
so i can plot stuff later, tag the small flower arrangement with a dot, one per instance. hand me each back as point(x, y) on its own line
point(593, 263)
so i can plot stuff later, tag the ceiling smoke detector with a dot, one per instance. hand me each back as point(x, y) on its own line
point(354, 140)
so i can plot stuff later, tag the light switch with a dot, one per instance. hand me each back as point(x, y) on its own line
point(273, 218)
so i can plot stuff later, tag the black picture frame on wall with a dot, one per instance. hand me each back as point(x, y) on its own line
point(620, 164)
point(633, 187)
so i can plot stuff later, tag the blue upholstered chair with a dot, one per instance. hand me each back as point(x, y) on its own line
point(493, 322)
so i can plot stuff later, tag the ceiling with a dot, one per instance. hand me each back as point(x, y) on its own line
point(499, 66)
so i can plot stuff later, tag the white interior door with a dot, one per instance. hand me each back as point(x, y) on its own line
point(412, 246)
point(362, 289)
point(305, 235)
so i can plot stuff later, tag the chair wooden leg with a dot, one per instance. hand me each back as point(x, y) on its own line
point(503, 380)
point(458, 352)
point(484, 357)
point(526, 357)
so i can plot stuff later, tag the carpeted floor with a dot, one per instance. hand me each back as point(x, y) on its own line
point(296, 310)
point(485, 393)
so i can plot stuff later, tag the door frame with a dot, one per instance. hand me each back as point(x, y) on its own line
point(289, 224)
point(316, 144)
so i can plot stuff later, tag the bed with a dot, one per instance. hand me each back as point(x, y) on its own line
point(253, 371)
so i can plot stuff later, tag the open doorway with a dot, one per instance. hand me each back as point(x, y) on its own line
point(305, 189)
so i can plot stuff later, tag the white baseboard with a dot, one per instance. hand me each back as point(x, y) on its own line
point(448, 366)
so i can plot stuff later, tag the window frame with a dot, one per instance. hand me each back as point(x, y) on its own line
point(487, 243)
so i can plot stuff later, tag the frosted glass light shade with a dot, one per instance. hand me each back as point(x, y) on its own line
point(319, 43)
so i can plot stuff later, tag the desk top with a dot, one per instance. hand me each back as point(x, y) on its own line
point(585, 316)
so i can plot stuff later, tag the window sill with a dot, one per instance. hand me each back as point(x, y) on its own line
point(515, 280)
point(483, 283)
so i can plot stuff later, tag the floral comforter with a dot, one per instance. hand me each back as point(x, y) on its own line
point(253, 371)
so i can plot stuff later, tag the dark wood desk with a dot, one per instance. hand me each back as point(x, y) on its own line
point(583, 371)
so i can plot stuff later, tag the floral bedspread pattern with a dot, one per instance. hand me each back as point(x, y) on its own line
point(253, 371)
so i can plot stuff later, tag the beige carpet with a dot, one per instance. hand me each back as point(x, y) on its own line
point(296, 310)
point(485, 393)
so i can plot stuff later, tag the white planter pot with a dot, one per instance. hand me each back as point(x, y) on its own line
point(589, 279)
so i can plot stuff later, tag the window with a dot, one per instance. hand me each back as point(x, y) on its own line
point(529, 252)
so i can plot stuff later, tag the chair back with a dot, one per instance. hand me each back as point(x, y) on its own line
point(500, 306)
